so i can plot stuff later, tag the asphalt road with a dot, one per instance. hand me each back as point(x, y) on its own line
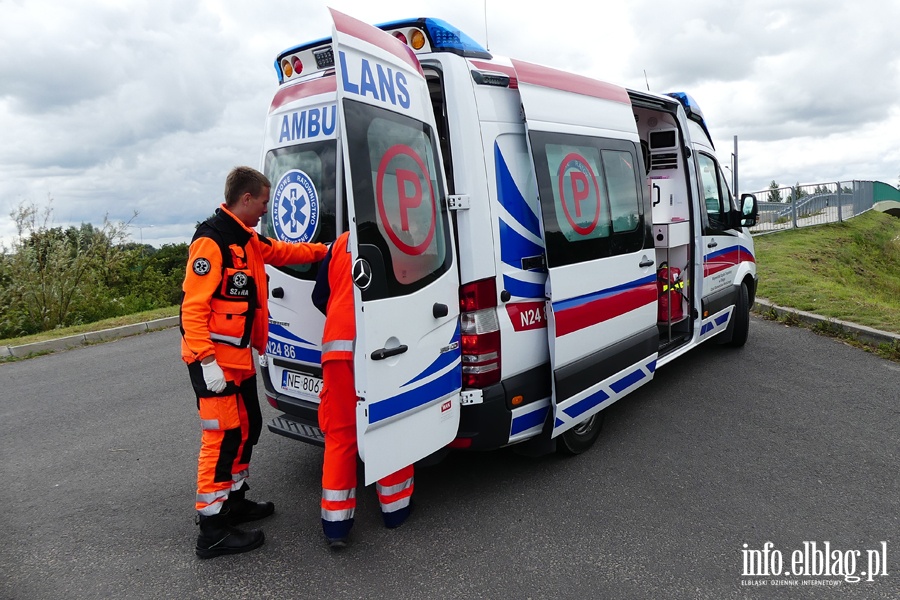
point(795, 438)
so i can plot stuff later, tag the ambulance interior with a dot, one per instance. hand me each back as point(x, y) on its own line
point(666, 179)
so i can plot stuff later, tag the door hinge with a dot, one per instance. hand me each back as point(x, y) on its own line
point(458, 202)
point(470, 397)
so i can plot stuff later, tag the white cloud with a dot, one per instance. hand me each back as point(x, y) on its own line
point(112, 107)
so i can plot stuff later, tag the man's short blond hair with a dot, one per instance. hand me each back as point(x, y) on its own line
point(243, 180)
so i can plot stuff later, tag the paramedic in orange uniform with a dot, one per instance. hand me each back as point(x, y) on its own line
point(333, 295)
point(224, 313)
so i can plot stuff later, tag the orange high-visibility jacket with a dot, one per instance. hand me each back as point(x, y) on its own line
point(334, 293)
point(224, 307)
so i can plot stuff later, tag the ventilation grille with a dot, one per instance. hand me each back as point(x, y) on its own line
point(663, 160)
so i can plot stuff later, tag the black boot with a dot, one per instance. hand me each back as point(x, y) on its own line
point(217, 537)
point(241, 510)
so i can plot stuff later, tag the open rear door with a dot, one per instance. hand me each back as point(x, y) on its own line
point(601, 284)
point(407, 358)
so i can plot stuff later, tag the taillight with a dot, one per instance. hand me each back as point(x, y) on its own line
point(480, 330)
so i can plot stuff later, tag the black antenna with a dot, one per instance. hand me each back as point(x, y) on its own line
point(646, 80)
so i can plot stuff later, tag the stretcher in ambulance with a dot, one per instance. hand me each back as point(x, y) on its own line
point(513, 228)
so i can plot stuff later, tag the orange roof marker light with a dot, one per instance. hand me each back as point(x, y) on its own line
point(418, 39)
point(286, 68)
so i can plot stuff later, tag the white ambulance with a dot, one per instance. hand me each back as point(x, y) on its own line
point(529, 244)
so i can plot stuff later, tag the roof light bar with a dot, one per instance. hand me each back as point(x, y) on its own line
point(422, 35)
point(692, 110)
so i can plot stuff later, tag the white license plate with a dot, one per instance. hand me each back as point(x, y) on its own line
point(302, 383)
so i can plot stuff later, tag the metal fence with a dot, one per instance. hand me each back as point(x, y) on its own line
point(816, 204)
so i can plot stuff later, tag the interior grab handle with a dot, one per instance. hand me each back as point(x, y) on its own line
point(383, 353)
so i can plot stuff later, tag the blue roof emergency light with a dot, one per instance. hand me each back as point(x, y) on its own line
point(443, 37)
point(692, 110)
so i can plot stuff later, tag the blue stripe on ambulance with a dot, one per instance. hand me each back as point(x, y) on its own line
point(528, 420)
point(446, 384)
point(512, 199)
point(715, 323)
point(308, 353)
point(443, 360)
point(514, 246)
point(617, 386)
point(523, 289)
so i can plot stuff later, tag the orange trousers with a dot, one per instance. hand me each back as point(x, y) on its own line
point(231, 422)
point(337, 419)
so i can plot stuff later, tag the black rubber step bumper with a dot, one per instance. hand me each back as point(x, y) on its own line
point(288, 426)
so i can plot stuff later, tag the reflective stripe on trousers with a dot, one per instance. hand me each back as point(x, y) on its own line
point(338, 505)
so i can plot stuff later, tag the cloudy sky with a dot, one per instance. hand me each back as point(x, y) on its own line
point(111, 106)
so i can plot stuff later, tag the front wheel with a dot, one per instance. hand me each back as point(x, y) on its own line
point(741, 319)
point(582, 436)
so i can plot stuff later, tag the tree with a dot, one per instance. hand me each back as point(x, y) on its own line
point(774, 193)
point(52, 271)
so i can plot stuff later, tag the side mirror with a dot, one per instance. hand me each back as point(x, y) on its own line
point(749, 210)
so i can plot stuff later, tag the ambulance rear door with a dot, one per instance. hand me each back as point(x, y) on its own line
point(601, 285)
point(407, 357)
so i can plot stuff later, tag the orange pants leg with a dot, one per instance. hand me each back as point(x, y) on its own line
point(337, 419)
point(229, 430)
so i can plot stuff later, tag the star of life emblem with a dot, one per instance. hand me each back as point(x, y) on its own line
point(201, 266)
point(240, 280)
point(295, 210)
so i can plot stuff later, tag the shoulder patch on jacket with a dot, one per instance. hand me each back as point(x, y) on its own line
point(201, 266)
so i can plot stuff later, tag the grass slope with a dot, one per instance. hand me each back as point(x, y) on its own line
point(848, 271)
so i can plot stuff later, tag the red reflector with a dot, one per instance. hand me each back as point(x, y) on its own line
point(272, 402)
point(461, 443)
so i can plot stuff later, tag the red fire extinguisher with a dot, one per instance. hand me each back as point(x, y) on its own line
point(670, 287)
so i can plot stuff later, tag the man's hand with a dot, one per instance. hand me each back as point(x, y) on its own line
point(213, 376)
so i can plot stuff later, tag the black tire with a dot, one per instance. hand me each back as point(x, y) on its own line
point(740, 321)
point(582, 436)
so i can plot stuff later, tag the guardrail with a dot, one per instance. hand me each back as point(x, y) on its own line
point(815, 204)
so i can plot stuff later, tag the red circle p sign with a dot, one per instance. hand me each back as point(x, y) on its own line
point(408, 208)
point(579, 193)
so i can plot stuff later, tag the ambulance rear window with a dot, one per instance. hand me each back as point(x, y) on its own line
point(302, 199)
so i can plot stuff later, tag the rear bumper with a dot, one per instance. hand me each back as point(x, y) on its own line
point(300, 420)
point(484, 426)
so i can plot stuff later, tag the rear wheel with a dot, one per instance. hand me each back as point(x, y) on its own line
point(582, 436)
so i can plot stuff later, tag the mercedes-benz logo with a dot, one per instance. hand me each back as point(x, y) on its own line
point(362, 274)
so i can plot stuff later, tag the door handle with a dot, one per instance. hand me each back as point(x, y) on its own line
point(439, 310)
point(712, 244)
point(278, 292)
point(383, 353)
point(646, 262)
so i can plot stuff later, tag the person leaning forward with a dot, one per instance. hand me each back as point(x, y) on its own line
point(224, 313)
point(333, 296)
